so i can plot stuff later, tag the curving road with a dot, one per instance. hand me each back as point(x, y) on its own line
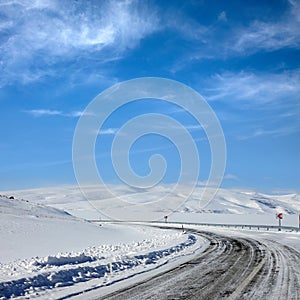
point(231, 268)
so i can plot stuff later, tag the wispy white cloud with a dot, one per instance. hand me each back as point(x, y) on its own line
point(214, 41)
point(108, 131)
point(55, 31)
point(76, 114)
point(255, 88)
point(269, 36)
point(113, 131)
point(44, 112)
point(49, 112)
point(273, 96)
point(276, 132)
point(231, 177)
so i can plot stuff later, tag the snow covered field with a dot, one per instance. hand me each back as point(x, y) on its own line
point(49, 251)
point(46, 252)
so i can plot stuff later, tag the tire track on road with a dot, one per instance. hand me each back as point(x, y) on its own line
point(217, 274)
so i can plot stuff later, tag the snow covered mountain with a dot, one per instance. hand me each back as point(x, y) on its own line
point(228, 205)
point(240, 202)
point(226, 200)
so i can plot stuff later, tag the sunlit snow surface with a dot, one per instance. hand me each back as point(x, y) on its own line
point(43, 248)
point(47, 248)
point(229, 206)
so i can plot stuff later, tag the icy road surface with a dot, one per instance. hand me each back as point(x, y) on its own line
point(233, 267)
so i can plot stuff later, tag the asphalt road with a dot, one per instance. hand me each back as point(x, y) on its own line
point(231, 268)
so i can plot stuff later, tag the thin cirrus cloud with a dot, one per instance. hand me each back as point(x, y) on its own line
point(274, 98)
point(231, 177)
point(240, 40)
point(112, 131)
point(51, 32)
point(108, 131)
point(270, 36)
point(256, 88)
point(49, 112)
point(277, 132)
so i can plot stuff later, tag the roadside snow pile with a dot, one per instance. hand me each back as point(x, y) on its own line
point(62, 259)
point(106, 263)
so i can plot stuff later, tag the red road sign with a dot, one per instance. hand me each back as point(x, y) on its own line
point(279, 216)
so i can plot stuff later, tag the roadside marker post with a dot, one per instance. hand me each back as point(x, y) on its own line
point(279, 217)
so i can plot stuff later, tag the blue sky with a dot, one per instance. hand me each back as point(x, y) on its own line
point(242, 56)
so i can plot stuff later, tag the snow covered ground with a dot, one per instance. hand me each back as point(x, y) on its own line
point(48, 250)
point(45, 252)
point(28, 229)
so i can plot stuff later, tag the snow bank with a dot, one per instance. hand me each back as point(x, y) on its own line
point(105, 263)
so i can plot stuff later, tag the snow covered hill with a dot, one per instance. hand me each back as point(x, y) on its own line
point(240, 202)
point(21, 207)
point(229, 206)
